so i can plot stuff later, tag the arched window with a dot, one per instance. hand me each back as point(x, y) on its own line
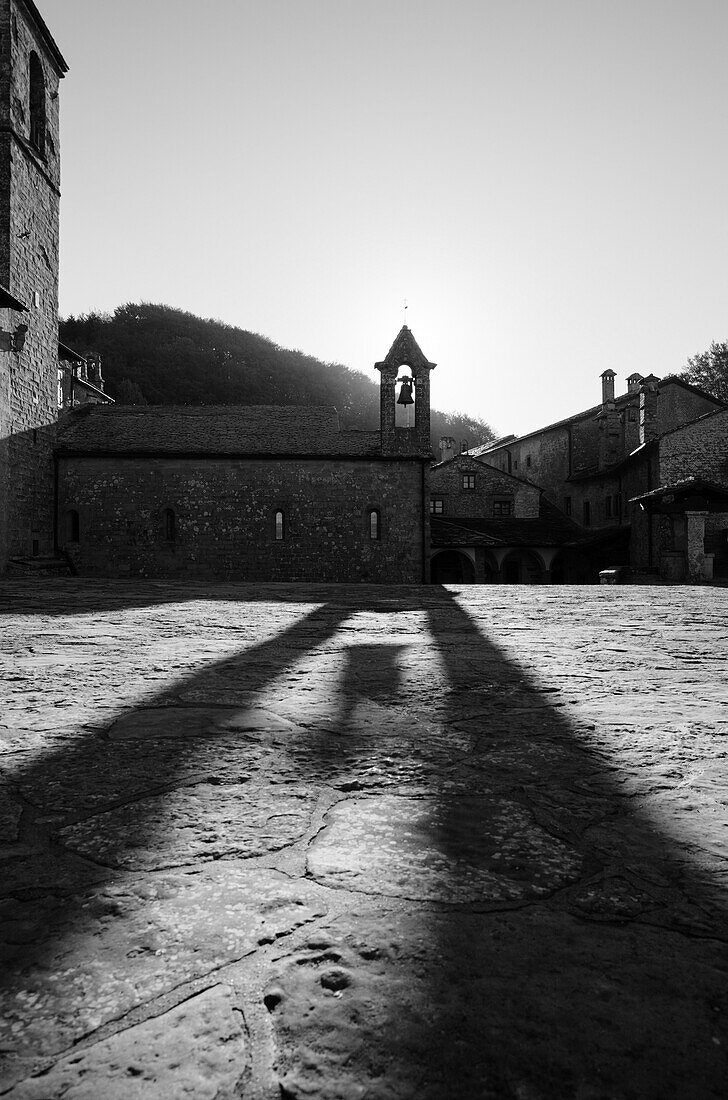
point(280, 531)
point(170, 525)
point(73, 526)
point(375, 524)
point(37, 104)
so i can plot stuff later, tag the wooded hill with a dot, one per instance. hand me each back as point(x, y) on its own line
point(156, 355)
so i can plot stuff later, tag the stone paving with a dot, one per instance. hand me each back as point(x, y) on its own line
point(325, 842)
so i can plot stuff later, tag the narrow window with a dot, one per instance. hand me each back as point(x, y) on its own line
point(567, 505)
point(280, 529)
point(608, 507)
point(436, 506)
point(170, 525)
point(374, 524)
point(587, 513)
point(528, 461)
point(73, 526)
point(468, 481)
point(37, 104)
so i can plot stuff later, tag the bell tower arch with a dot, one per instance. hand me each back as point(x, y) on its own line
point(405, 352)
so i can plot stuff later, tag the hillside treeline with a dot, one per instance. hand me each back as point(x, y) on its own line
point(156, 355)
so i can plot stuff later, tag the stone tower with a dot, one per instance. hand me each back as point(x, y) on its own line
point(405, 352)
point(31, 67)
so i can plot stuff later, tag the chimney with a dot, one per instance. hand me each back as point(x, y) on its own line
point(609, 430)
point(648, 409)
point(447, 448)
point(634, 381)
point(608, 377)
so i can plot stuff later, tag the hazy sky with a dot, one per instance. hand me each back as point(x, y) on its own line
point(543, 180)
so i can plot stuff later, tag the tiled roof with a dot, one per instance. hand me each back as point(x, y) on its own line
point(458, 532)
point(589, 414)
point(550, 528)
point(211, 430)
point(685, 486)
point(405, 349)
point(493, 444)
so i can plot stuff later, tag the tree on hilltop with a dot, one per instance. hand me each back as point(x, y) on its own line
point(159, 355)
point(709, 370)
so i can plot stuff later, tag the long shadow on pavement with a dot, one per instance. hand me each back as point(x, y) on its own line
point(510, 928)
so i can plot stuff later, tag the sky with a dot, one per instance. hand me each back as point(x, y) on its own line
point(542, 181)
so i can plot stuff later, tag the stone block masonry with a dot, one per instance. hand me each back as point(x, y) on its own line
point(413, 843)
point(491, 485)
point(216, 517)
point(31, 68)
point(699, 449)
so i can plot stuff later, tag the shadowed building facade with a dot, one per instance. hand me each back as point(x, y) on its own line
point(256, 493)
point(31, 67)
point(610, 469)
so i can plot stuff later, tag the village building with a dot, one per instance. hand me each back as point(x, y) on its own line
point(269, 493)
point(488, 526)
point(601, 467)
point(80, 381)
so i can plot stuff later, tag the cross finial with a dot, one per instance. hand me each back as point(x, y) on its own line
point(405, 311)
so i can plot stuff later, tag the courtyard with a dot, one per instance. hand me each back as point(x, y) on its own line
point(408, 843)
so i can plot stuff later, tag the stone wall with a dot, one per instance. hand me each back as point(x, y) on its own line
point(491, 485)
point(699, 449)
point(542, 458)
point(678, 404)
point(29, 211)
point(224, 518)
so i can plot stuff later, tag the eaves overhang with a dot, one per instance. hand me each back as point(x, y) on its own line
point(9, 301)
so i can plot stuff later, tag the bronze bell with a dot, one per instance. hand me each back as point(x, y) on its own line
point(405, 393)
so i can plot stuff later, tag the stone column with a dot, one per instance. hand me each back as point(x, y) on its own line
point(696, 546)
point(422, 405)
point(547, 555)
point(387, 400)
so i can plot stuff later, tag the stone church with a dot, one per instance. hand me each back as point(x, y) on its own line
point(253, 493)
point(285, 494)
